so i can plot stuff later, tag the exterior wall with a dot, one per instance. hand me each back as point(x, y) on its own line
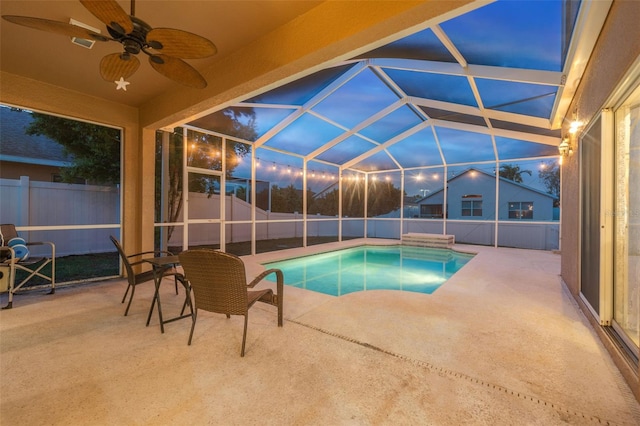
point(616, 50)
point(11, 170)
point(485, 185)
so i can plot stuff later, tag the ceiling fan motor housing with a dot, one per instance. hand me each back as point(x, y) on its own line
point(136, 40)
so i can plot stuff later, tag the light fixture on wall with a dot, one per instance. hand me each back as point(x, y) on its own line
point(565, 147)
point(574, 126)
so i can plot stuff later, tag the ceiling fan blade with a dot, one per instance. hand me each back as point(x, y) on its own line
point(110, 12)
point(56, 27)
point(178, 70)
point(181, 44)
point(117, 65)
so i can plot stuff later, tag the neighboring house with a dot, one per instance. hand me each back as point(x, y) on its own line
point(38, 157)
point(472, 195)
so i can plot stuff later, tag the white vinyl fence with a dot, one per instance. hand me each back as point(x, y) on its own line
point(44, 204)
point(95, 213)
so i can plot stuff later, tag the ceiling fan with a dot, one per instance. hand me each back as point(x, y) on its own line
point(165, 47)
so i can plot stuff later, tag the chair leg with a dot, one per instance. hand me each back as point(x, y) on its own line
point(133, 290)
point(194, 316)
point(244, 334)
point(125, 293)
point(279, 302)
point(187, 299)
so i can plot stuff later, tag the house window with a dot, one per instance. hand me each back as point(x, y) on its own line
point(431, 211)
point(521, 210)
point(472, 205)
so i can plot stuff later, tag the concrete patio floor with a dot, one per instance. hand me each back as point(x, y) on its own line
point(501, 343)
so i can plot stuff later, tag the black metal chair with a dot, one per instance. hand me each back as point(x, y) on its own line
point(15, 256)
point(135, 279)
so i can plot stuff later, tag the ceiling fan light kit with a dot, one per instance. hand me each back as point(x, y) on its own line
point(166, 47)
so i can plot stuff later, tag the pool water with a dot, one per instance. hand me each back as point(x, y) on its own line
point(364, 268)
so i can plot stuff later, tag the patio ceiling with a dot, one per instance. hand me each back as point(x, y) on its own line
point(485, 86)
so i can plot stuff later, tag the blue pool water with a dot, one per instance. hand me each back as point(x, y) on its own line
point(364, 268)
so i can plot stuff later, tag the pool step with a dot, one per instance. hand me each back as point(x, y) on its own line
point(428, 240)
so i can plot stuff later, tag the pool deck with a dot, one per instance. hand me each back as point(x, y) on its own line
point(501, 343)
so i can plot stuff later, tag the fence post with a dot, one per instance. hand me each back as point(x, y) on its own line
point(23, 202)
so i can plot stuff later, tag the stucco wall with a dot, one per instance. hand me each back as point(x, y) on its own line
point(616, 50)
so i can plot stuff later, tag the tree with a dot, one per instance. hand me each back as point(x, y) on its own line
point(511, 172)
point(286, 200)
point(95, 149)
point(325, 203)
point(550, 176)
point(382, 198)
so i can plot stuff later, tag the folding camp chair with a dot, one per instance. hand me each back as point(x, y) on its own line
point(15, 256)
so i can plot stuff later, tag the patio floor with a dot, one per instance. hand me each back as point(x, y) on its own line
point(502, 342)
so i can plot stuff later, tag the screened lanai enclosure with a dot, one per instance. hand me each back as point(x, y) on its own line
point(447, 128)
point(452, 128)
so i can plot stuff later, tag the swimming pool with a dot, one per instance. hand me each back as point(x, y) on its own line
point(364, 268)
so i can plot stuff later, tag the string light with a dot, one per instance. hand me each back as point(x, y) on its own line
point(296, 171)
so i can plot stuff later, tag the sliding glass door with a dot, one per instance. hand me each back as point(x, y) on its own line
point(626, 309)
point(590, 172)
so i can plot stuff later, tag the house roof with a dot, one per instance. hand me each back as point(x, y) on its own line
point(17, 146)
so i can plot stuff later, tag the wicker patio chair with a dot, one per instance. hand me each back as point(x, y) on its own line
point(135, 279)
point(219, 285)
point(15, 256)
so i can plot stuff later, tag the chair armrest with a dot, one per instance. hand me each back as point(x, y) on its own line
point(36, 243)
point(279, 278)
point(277, 300)
point(12, 254)
point(39, 243)
point(154, 252)
point(144, 253)
point(42, 243)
